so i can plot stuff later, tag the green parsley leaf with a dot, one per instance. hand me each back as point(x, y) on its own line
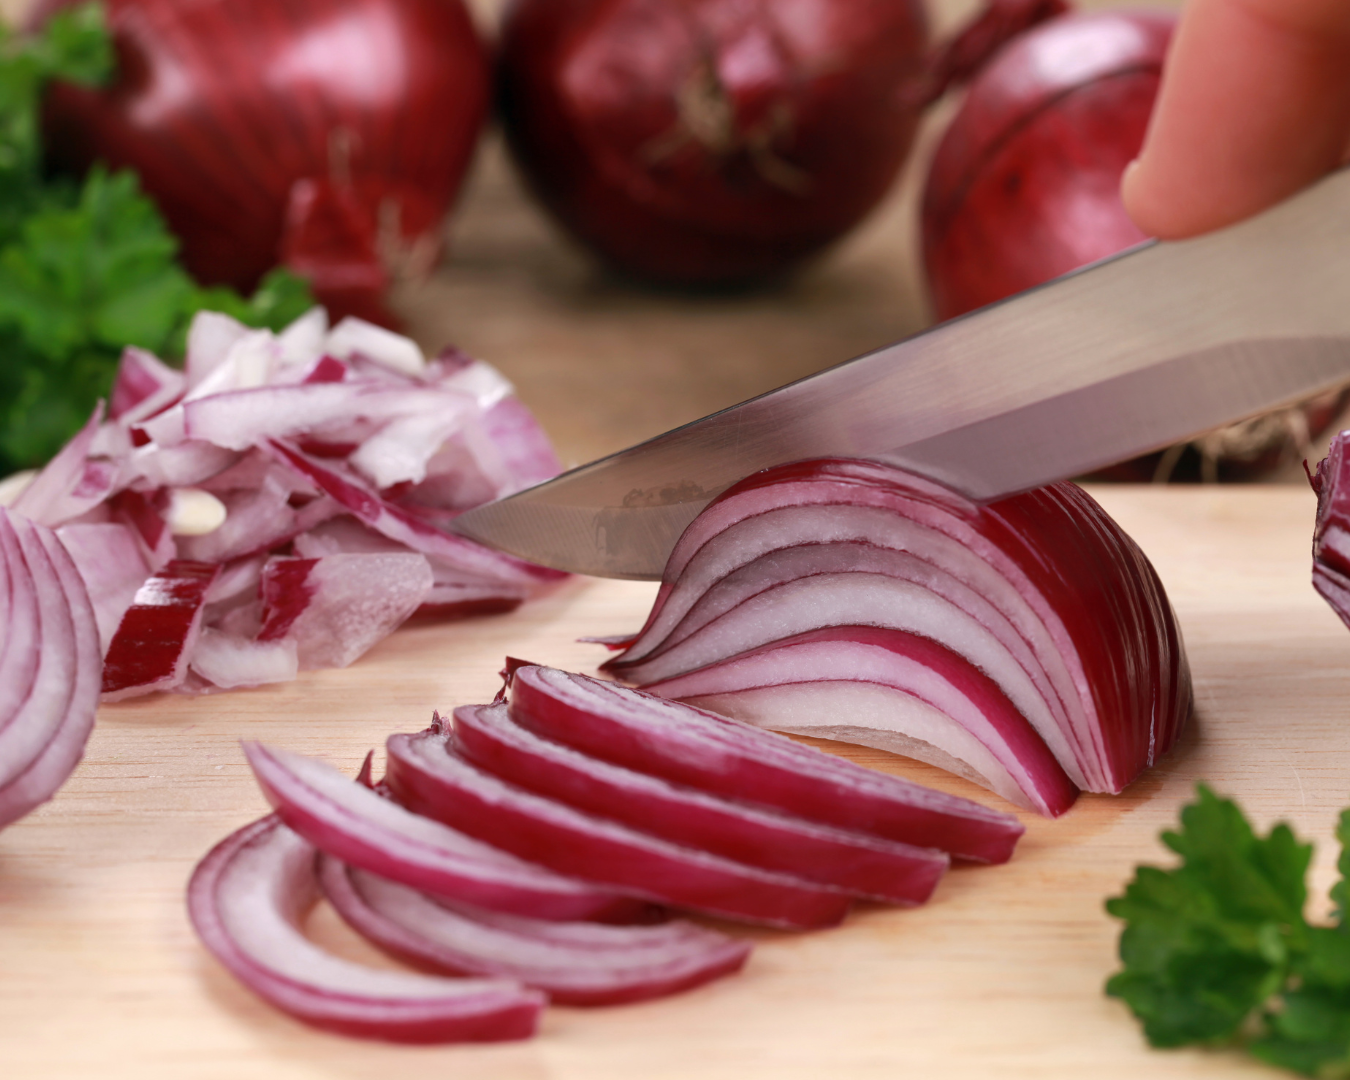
point(1217, 951)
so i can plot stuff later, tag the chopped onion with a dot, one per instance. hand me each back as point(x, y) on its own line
point(1038, 600)
point(729, 758)
point(49, 666)
point(427, 776)
point(864, 865)
point(345, 446)
point(369, 831)
point(574, 963)
point(1331, 536)
point(246, 900)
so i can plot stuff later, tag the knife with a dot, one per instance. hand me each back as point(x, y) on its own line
point(1147, 348)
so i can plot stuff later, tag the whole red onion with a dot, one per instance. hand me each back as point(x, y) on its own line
point(711, 142)
point(328, 135)
point(1025, 183)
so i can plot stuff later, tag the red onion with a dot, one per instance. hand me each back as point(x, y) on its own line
point(426, 775)
point(574, 963)
point(247, 899)
point(1025, 183)
point(329, 135)
point(369, 831)
point(343, 447)
point(1331, 536)
point(735, 760)
point(863, 865)
point(771, 598)
point(49, 666)
point(712, 142)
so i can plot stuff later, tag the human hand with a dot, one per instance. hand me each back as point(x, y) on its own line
point(1254, 105)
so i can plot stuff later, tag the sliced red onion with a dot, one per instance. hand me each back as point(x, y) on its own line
point(189, 463)
point(154, 642)
point(725, 757)
point(860, 864)
point(336, 607)
point(143, 386)
point(890, 689)
point(1041, 591)
point(426, 776)
point(49, 666)
point(247, 899)
point(228, 660)
point(71, 483)
point(360, 827)
point(574, 963)
point(356, 337)
point(1331, 535)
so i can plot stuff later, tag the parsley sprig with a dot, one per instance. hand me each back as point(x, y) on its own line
point(86, 267)
point(1218, 952)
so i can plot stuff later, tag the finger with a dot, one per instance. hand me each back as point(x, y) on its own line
point(1254, 105)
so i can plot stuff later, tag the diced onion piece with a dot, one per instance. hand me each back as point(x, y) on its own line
point(860, 864)
point(231, 660)
point(151, 648)
point(246, 900)
point(574, 963)
point(730, 758)
point(1331, 535)
point(427, 777)
point(49, 666)
point(363, 828)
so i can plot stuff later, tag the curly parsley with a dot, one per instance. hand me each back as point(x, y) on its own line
point(1218, 952)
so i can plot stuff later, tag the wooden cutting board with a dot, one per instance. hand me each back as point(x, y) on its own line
point(1000, 975)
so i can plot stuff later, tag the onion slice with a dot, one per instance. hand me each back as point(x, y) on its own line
point(246, 900)
point(49, 666)
point(361, 827)
point(574, 963)
point(426, 775)
point(892, 690)
point(863, 865)
point(685, 745)
point(1331, 535)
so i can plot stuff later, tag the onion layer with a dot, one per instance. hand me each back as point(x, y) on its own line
point(49, 666)
point(735, 760)
point(426, 775)
point(574, 963)
point(1331, 536)
point(246, 900)
point(1041, 594)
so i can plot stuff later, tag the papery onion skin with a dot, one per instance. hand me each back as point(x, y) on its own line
point(699, 142)
point(320, 131)
point(323, 990)
point(1025, 184)
point(1071, 568)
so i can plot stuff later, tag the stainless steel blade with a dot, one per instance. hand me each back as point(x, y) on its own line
point(1151, 347)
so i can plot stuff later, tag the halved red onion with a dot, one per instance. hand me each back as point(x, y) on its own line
point(1331, 534)
point(154, 642)
point(336, 607)
point(890, 689)
point(369, 831)
point(247, 899)
point(856, 862)
point(574, 963)
point(739, 761)
point(49, 666)
point(1042, 591)
point(425, 775)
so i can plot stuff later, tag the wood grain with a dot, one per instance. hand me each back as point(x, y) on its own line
point(1000, 974)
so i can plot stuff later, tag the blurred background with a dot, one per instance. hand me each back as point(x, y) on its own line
point(605, 361)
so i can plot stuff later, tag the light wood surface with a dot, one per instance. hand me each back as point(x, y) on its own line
point(1001, 974)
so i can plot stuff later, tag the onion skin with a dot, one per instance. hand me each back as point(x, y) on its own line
point(314, 132)
point(1025, 184)
point(698, 142)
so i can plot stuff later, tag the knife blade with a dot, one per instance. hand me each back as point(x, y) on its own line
point(1150, 347)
